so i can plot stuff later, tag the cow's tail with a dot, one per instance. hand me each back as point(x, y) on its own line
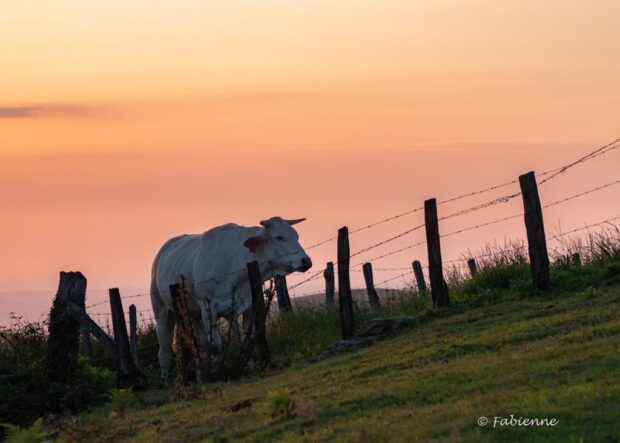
point(156, 300)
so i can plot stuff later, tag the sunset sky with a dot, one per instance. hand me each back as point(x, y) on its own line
point(123, 124)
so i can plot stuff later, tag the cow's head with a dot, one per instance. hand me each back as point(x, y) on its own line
point(278, 243)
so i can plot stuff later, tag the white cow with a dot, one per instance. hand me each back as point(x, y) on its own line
point(213, 265)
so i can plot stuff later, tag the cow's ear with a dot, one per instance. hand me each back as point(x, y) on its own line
point(253, 243)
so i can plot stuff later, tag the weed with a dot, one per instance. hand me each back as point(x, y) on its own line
point(279, 404)
point(121, 401)
point(17, 434)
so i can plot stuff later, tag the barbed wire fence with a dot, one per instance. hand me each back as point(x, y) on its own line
point(147, 317)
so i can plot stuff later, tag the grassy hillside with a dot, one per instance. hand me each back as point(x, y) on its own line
point(537, 357)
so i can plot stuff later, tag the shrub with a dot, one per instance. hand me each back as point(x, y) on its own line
point(24, 389)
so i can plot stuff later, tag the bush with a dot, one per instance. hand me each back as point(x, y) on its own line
point(22, 377)
point(25, 392)
point(88, 387)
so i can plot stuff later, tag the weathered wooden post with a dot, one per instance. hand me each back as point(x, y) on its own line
point(439, 289)
point(284, 300)
point(259, 313)
point(90, 327)
point(87, 345)
point(127, 372)
point(419, 277)
point(536, 240)
point(373, 297)
point(330, 285)
point(133, 335)
point(473, 267)
point(345, 298)
point(576, 260)
point(187, 366)
point(63, 342)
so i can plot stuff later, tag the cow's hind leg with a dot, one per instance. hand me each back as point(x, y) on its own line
point(165, 331)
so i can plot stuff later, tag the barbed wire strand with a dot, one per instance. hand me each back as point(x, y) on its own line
point(602, 150)
point(581, 194)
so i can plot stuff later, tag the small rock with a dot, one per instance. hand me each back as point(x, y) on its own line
point(241, 405)
point(371, 332)
point(384, 326)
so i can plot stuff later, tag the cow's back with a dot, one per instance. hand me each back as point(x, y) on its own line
point(175, 258)
point(207, 258)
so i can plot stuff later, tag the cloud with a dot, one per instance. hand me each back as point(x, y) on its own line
point(43, 110)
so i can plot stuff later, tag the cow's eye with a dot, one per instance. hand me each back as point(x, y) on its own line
point(280, 238)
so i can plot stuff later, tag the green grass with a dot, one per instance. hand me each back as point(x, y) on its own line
point(501, 348)
point(542, 356)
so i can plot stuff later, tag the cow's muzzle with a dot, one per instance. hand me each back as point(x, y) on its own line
point(306, 264)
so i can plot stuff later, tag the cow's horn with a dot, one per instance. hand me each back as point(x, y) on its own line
point(294, 222)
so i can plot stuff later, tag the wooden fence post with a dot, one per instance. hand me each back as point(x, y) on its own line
point(284, 300)
point(373, 297)
point(63, 341)
point(419, 277)
point(133, 335)
point(536, 240)
point(473, 267)
point(127, 373)
point(345, 298)
point(439, 289)
point(330, 285)
point(259, 313)
point(576, 260)
point(188, 360)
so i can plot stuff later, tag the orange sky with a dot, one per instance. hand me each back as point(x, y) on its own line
point(125, 123)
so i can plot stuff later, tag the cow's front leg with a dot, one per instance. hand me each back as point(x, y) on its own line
point(209, 318)
point(164, 329)
point(246, 320)
point(247, 325)
point(234, 325)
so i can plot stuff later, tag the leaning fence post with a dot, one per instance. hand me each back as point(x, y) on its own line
point(345, 298)
point(63, 341)
point(87, 345)
point(536, 240)
point(373, 297)
point(419, 277)
point(439, 289)
point(284, 299)
point(259, 312)
point(127, 374)
point(330, 286)
point(473, 266)
point(133, 334)
point(91, 328)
